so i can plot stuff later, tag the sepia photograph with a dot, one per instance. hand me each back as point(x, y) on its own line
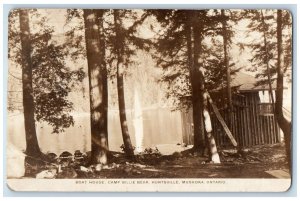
point(149, 100)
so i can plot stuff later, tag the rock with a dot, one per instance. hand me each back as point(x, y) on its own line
point(136, 172)
point(65, 156)
point(77, 152)
point(139, 165)
point(78, 155)
point(87, 156)
point(230, 151)
point(73, 173)
point(92, 168)
point(245, 150)
point(64, 163)
point(127, 170)
point(222, 153)
point(79, 161)
point(113, 165)
point(98, 167)
point(52, 157)
point(116, 155)
point(67, 172)
point(230, 160)
point(83, 169)
point(105, 167)
point(46, 174)
point(59, 168)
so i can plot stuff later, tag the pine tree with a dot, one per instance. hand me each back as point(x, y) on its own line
point(180, 53)
point(119, 51)
point(97, 84)
point(32, 146)
point(47, 80)
point(284, 124)
point(271, 57)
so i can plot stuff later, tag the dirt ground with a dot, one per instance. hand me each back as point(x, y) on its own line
point(249, 163)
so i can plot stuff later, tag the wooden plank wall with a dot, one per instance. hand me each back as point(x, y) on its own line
point(249, 126)
point(187, 127)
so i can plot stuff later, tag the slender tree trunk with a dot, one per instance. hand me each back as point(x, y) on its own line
point(124, 126)
point(97, 84)
point(226, 60)
point(284, 124)
point(196, 92)
point(267, 60)
point(120, 85)
point(228, 76)
point(214, 156)
point(32, 146)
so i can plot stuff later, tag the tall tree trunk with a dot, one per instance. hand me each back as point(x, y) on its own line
point(200, 89)
point(104, 71)
point(226, 62)
point(196, 92)
point(214, 156)
point(32, 146)
point(198, 81)
point(284, 124)
point(226, 59)
point(266, 51)
point(120, 85)
point(97, 84)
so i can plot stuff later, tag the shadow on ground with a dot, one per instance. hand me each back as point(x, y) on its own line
point(249, 162)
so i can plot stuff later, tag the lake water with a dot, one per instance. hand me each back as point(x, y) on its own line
point(160, 126)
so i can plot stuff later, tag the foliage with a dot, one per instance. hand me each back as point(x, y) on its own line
point(128, 38)
point(75, 40)
point(263, 24)
point(172, 56)
point(52, 79)
point(147, 150)
point(152, 151)
point(123, 147)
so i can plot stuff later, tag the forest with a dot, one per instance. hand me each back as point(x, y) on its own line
point(149, 93)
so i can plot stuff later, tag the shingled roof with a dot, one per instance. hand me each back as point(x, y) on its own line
point(246, 82)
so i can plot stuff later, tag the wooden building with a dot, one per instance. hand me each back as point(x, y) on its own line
point(252, 119)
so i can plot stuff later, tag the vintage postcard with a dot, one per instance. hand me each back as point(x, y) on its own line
point(149, 100)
